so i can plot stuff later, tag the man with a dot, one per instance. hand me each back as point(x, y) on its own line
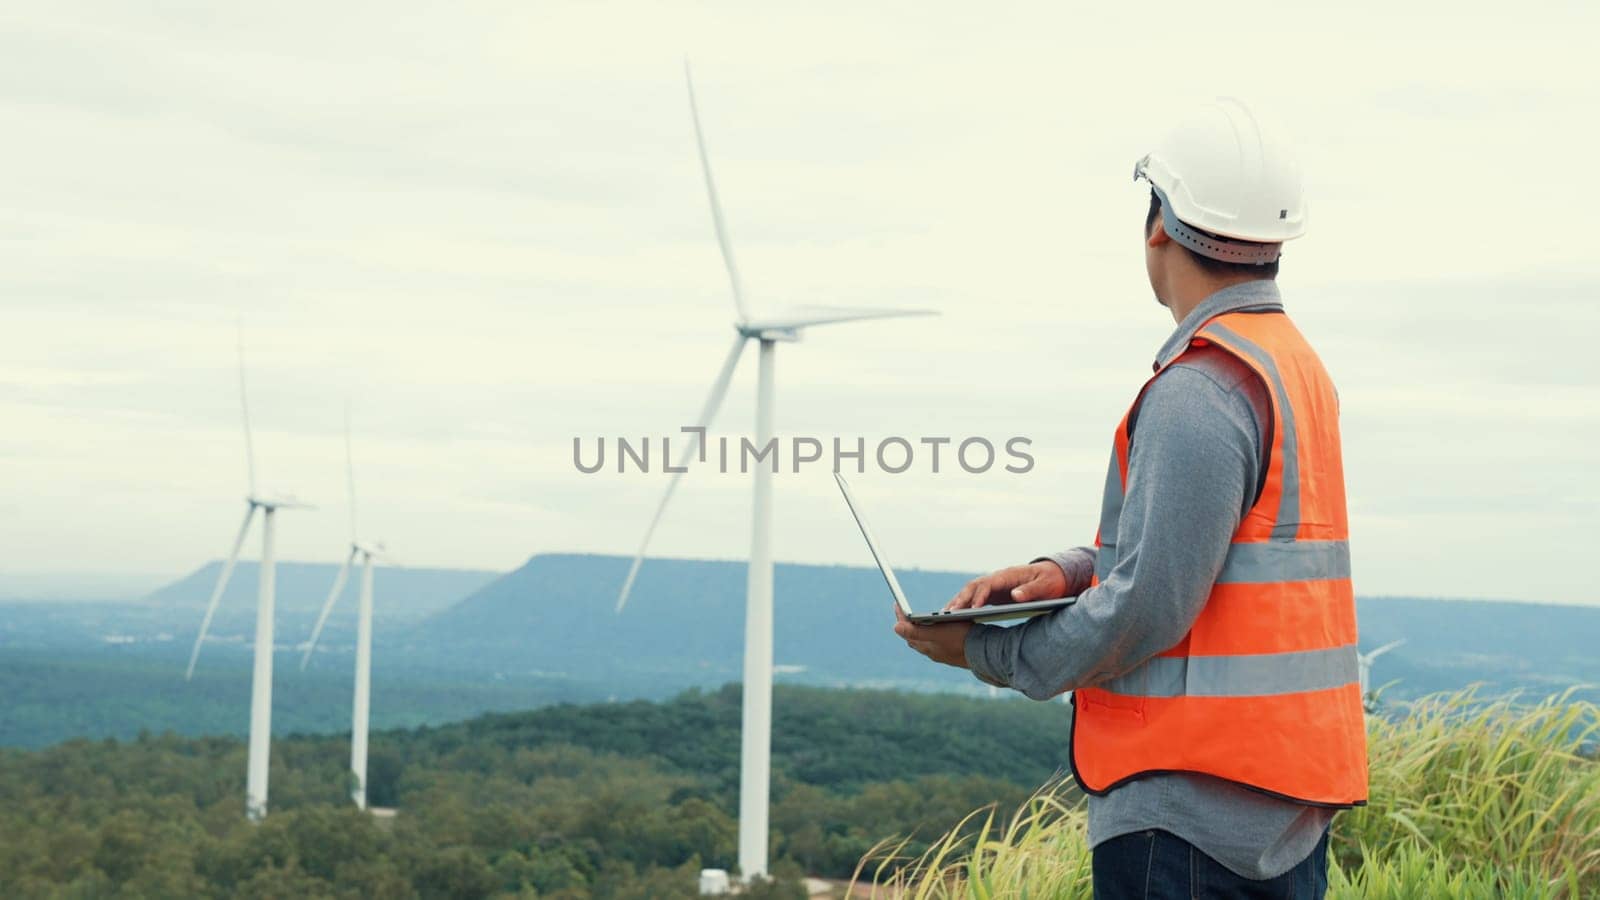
point(1217, 721)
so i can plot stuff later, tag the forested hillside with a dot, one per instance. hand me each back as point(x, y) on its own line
point(611, 800)
point(52, 695)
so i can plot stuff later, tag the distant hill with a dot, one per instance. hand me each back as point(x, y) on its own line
point(1533, 647)
point(61, 692)
point(685, 625)
point(75, 587)
point(403, 595)
point(451, 644)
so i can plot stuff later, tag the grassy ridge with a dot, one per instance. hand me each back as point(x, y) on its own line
point(1468, 799)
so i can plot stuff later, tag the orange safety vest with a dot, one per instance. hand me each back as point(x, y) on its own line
point(1263, 690)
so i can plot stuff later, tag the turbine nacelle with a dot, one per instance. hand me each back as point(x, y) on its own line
point(375, 550)
point(278, 501)
point(761, 332)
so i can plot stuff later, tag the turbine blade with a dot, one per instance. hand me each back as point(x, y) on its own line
point(350, 472)
point(807, 316)
point(716, 204)
point(327, 606)
point(1382, 650)
point(719, 390)
point(244, 409)
point(216, 592)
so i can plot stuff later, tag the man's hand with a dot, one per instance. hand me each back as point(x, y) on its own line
point(1042, 580)
point(945, 643)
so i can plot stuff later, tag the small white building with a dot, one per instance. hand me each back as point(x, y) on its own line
point(713, 881)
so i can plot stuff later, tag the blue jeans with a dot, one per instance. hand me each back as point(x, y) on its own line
point(1157, 865)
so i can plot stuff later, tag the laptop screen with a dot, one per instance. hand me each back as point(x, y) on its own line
point(877, 556)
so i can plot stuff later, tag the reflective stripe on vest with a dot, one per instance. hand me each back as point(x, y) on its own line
point(1265, 562)
point(1288, 518)
point(1263, 690)
point(1261, 675)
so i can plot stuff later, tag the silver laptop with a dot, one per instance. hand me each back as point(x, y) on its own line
point(980, 614)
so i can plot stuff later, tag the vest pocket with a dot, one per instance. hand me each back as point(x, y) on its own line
point(1118, 706)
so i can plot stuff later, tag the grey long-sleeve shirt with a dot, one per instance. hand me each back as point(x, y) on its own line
point(1197, 462)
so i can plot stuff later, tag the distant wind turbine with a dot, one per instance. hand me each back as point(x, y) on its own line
point(255, 792)
point(1364, 661)
point(785, 326)
point(360, 715)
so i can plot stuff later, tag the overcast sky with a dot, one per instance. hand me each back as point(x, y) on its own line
point(485, 225)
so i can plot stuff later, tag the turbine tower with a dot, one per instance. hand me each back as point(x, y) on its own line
point(768, 331)
point(363, 692)
point(255, 792)
point(1369, 702)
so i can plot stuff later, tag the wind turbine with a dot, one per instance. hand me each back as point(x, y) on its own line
point(1364, 660)
point(255, 791)
point(768, 331)
point(363, 693)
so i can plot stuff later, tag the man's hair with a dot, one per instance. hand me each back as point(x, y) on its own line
point(1206, 263)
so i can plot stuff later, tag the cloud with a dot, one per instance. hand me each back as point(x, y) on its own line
point(487, 227)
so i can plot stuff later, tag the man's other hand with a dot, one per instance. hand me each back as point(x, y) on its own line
point(944, 643)
point(1042, 580)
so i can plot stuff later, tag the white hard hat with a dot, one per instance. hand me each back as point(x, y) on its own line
point(1230, 189)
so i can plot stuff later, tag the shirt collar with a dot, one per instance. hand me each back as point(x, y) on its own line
point(1259, 295)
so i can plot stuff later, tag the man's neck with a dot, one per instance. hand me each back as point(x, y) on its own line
point(1190, 293)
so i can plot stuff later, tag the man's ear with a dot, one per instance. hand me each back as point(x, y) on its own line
point(1157, 236)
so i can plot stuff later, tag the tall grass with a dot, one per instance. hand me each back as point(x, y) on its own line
point(1469, 798)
